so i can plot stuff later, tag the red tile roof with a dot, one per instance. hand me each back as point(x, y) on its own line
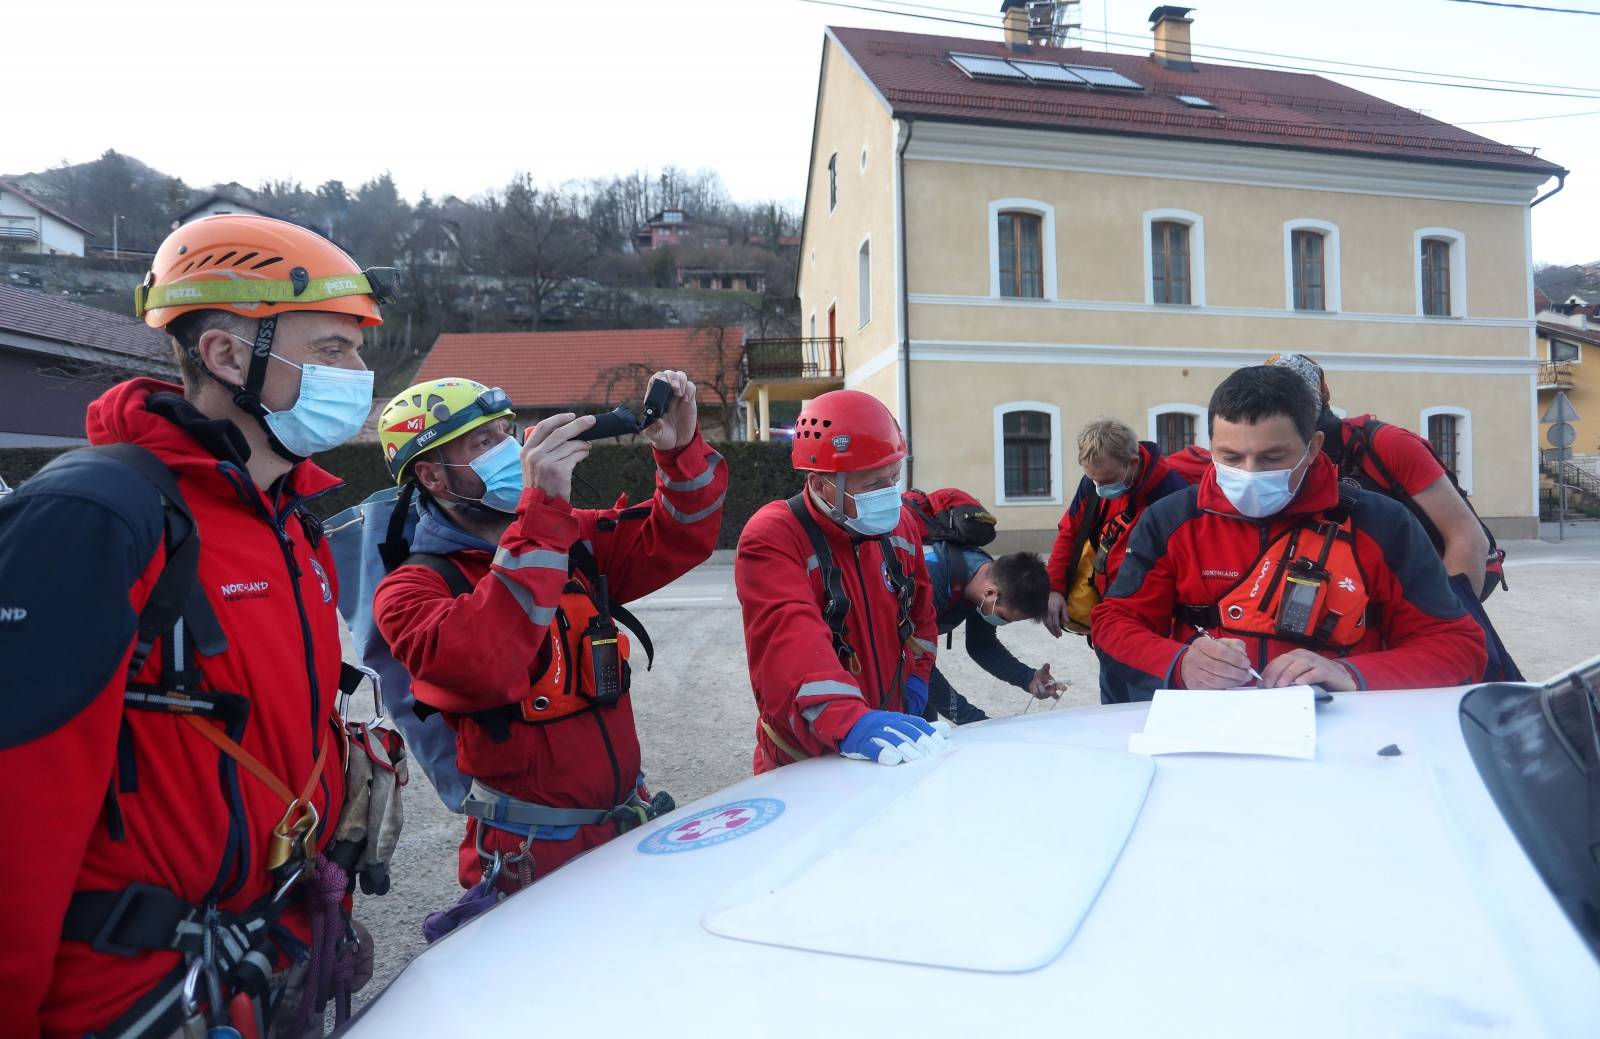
point(40, 315)
point(560, 369)
point(1263, 107)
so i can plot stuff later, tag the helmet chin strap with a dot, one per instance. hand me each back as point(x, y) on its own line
point(247, 398)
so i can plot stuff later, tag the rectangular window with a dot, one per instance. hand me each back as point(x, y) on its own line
point(864, 282)
point(1442, 435)
point(833, 182)
point(1562, 351)
point(1435, 277)
point(1027, 454)
point(1174, 432)
point(1309, 283)
point(727, 281)
point(1169, 262)
point(1021, 256)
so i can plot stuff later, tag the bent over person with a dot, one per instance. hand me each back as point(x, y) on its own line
point(1270, 564)
point(505, 615)
point(838, 614)
point(169, 729)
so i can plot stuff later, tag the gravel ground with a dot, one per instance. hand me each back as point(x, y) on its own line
point(697, 719)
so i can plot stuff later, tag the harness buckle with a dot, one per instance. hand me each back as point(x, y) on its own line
point(292, 836)
point(104, 939)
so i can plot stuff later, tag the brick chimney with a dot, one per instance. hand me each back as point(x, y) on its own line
point(1015, 13)
point(1171, 28)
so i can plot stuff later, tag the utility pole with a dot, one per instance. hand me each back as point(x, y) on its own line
point(116, 220)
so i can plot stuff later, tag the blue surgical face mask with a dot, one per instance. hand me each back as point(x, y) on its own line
point(1259, 494)
point(877, 512)
point(1113, 490)
point(993, 616)
point(332, 407)
point(500, 469)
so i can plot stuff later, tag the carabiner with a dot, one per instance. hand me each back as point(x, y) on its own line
point(294, 833)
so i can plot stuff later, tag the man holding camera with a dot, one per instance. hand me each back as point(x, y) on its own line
point(1270, 571)
point(506, 613)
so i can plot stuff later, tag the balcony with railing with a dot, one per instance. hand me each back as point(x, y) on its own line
point(1555, 375)
point(787, 369)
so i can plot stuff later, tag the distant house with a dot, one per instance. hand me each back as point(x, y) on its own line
point(722, 279)
point(676, 228)
point(221, 203)
point(1569, 362)
point(30, 225)
point(57, 356)
point(546, 373)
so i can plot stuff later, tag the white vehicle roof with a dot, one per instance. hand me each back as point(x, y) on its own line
point(1040, 879)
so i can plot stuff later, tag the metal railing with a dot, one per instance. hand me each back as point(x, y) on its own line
point(1555, 375)
point(794, 358)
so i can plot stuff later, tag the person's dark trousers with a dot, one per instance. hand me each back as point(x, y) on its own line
point(1501, 667)
point(1111, 691)
point(943, 699)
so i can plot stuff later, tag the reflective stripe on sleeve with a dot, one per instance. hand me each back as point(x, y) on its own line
point(538, 558)
point(902, 544)
point(540, 615)
point(694, 483)
point(694, 517)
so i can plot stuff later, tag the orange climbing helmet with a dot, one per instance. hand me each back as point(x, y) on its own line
point(256, 267)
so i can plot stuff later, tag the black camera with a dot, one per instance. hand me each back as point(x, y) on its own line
point(621, 421)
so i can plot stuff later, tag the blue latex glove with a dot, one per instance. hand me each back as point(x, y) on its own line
point(890, 738)
point(916, 696)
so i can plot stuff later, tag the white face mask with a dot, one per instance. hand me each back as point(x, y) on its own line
point(1259, 494)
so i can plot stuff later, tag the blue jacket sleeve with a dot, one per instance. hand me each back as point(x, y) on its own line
point(984, 647)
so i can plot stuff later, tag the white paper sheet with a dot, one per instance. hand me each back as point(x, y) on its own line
point(1277, 722)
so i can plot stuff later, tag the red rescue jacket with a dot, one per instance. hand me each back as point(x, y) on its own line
point(1114, 518)
point(81, 559)
point(1194, 547)
point(802, 690)
point(482, 651)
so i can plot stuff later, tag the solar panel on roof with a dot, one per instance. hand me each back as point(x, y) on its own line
point(1099, 77)
point(978, 65)
point(1048, 72)
point(1194, 102)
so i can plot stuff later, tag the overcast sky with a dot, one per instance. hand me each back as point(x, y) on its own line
point(453, 97)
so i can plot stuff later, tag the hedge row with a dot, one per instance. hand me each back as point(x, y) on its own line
point(759, 473)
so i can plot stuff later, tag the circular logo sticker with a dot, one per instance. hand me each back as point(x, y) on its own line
point(713, 826)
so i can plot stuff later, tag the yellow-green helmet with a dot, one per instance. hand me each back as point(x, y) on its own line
point(433, 413)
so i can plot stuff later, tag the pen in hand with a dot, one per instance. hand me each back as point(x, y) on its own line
point(1207, 635)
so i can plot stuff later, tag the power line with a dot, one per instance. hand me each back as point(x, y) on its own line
point(1377, 68)
point(1528, 7)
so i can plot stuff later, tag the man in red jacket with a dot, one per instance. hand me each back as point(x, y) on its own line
point(504, 616)
point(1121, 478)
point(147, 772)
point(838, 614)
point(1268, 566)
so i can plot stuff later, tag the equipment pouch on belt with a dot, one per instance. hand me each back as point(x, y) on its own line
point(375, 770)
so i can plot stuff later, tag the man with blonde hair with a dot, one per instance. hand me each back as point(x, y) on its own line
point(1122, 477)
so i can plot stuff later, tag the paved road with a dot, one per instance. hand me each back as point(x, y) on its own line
point(696, 717)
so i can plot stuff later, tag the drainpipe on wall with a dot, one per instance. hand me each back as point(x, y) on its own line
point(902, 302)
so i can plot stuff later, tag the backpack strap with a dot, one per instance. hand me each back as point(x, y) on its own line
point(445, 567)
point(837, 608)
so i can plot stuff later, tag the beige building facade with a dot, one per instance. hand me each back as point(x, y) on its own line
point(999, 286)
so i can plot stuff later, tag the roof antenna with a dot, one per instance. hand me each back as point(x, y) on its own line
point(1041, 23)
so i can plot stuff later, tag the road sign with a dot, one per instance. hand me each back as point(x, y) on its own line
point(1562, 435)
point(1560, 410)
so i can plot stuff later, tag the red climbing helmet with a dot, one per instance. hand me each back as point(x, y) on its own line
point(845, 431)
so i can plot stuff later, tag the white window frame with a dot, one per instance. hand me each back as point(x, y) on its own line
point(1458, 268)
point(1463, 419)
point(1331, 298)
point(1550, 349)
point(1000, 413)
point(1047, 246)
point(1197, 255)
point(864, 283)
point(1202, 435)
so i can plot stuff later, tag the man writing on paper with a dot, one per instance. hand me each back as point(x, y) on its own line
point(1284, 570)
